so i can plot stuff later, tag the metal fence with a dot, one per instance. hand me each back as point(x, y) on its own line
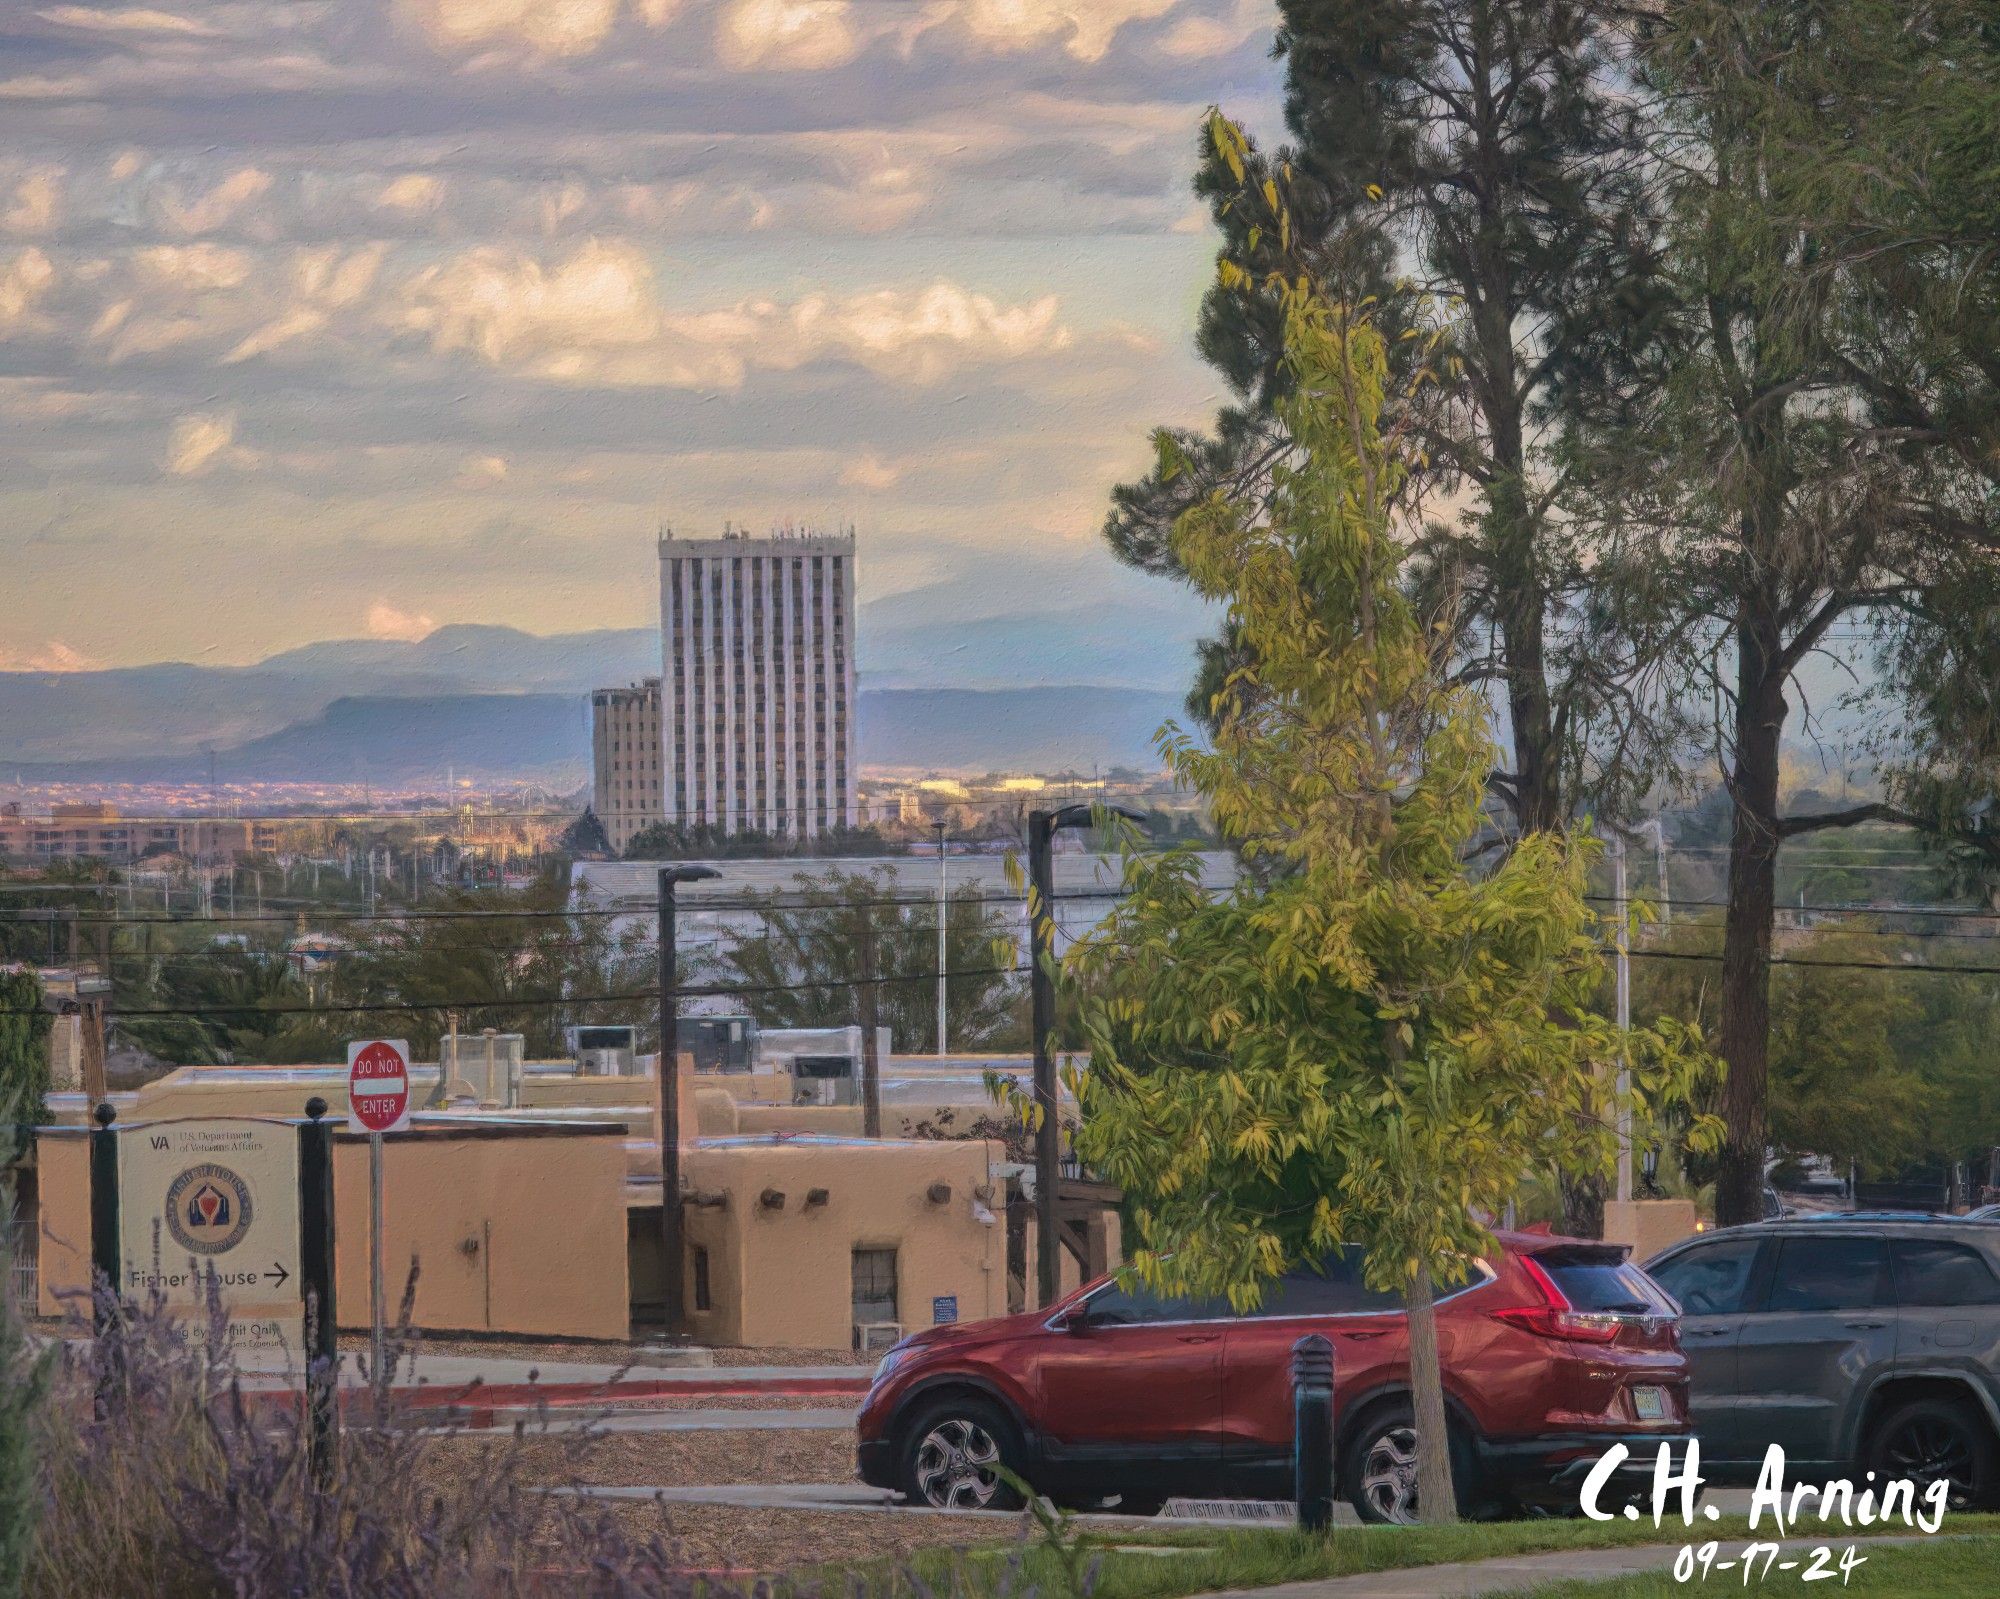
point(24, 1280)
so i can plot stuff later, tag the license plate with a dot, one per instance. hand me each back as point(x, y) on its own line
point(1650, 1404)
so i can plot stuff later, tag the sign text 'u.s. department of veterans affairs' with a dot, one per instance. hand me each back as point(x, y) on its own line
point(214, 1204)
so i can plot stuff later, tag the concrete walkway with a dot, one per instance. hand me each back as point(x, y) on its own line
point(1518, 1573)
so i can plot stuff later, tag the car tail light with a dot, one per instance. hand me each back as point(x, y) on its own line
point(1580, 1326)
point(1555, 1317)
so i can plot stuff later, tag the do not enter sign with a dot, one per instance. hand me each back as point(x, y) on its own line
point(378, 1086)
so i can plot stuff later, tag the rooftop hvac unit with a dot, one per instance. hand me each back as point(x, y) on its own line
point(488, 1068)
point(823, 1080)
point(604, 1051)
point(720, 1043)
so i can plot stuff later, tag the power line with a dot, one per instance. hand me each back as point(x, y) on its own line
point(544, 1002)
point(1833, 965)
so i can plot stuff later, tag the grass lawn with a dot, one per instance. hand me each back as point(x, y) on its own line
point(1944, 1568)
point(1217, 1559)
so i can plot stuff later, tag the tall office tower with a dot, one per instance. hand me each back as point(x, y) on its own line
point(625, 759)
point(757, 682)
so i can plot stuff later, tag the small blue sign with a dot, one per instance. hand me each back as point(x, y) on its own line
point(944, 1308)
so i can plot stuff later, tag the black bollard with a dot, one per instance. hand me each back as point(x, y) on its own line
point(316, 1287)
point(1312, 1431)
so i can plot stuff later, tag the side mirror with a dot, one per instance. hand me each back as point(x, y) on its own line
point(1074, 1319)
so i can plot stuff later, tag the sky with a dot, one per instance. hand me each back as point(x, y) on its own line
point(345, 318)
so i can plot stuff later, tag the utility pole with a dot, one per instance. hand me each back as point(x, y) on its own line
point(1042, 829)
point(1652, 824)
point(871, 1054)
point(942, 911)
point(673, 1219)
point(1624, 1022)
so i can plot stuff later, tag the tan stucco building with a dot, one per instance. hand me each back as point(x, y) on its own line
point(543, 1218)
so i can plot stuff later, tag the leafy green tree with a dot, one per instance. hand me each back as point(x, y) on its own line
point(1371, 1042)
point(1475, 155)
point(810, 952)
point(24, 1052)
point(1746, 499)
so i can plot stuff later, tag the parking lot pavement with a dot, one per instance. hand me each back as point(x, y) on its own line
point(578, 1418)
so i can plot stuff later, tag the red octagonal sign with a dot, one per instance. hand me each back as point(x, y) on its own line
point(378, 1086)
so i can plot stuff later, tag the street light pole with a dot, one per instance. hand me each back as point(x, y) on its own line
point(673, 1219)
point(941, 938)
point(1624, 1022)
point(1042, 829)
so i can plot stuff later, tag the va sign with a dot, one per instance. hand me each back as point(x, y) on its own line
point(213, 1206)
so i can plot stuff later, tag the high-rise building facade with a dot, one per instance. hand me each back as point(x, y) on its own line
point(757, 682)
point(625, 759)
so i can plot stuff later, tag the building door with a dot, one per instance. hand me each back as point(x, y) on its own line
point(874, 1291)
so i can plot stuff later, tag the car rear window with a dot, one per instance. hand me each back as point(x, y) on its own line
point(1931, 1271)
point(1604, 1285)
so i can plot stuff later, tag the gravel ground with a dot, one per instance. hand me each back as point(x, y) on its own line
point(601, 1353)
point(724, 1538)
point(718, 1537)
point(668, 1459)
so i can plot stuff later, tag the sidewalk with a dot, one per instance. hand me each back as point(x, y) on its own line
point(1517, 1573)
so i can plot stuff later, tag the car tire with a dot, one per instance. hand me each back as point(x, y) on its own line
point(948, 1451)
point(1378, 1469)
point(1929, 1438)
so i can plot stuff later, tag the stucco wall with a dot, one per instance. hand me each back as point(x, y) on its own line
point(784, 1277)
point(515, 1233)
point(520, 1235)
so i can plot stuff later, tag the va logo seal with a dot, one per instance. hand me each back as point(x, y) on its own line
point(208, 1209)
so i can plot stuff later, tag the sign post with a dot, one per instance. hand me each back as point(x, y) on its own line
point(378, 1102)
point(208, 1221)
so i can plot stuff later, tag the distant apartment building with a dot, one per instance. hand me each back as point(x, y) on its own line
point(97, 831)
point(756, 689)
point(627, 788)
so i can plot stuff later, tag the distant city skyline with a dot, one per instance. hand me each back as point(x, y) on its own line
point(345, 322)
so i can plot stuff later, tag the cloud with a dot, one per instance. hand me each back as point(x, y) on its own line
point(51, 656)
point(202, 441)
point(481, 471)
point(385, 621)
point(36, 203)
point(541, 27)
point(218, 205)
point(786, 35)
point(23, 281)
point(1198, 37)
point(870, 471)
point(596, 317)
point(125, 19)
point(413, 191)
point(1086, 27)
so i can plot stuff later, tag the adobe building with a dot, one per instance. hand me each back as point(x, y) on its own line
point(530, 1194)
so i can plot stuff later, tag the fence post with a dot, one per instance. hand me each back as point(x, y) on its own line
point(104, 1260)
point(1312, 1431)
point(316, 1287)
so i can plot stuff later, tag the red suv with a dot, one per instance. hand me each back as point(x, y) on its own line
point(1553, 1351)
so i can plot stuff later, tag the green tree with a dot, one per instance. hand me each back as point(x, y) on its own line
point(24, 1051)
point(1747, 498)
point(1369, 1043)
point(1483, 148)
point(809, 953)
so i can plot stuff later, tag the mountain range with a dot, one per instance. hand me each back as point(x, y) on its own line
point(496, 702)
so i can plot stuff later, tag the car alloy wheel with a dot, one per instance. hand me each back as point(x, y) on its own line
point(1928, 1448)
point(1389, 1475)
point(955, 1465)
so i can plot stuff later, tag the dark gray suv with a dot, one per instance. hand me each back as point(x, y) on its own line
point(1860, 1343)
